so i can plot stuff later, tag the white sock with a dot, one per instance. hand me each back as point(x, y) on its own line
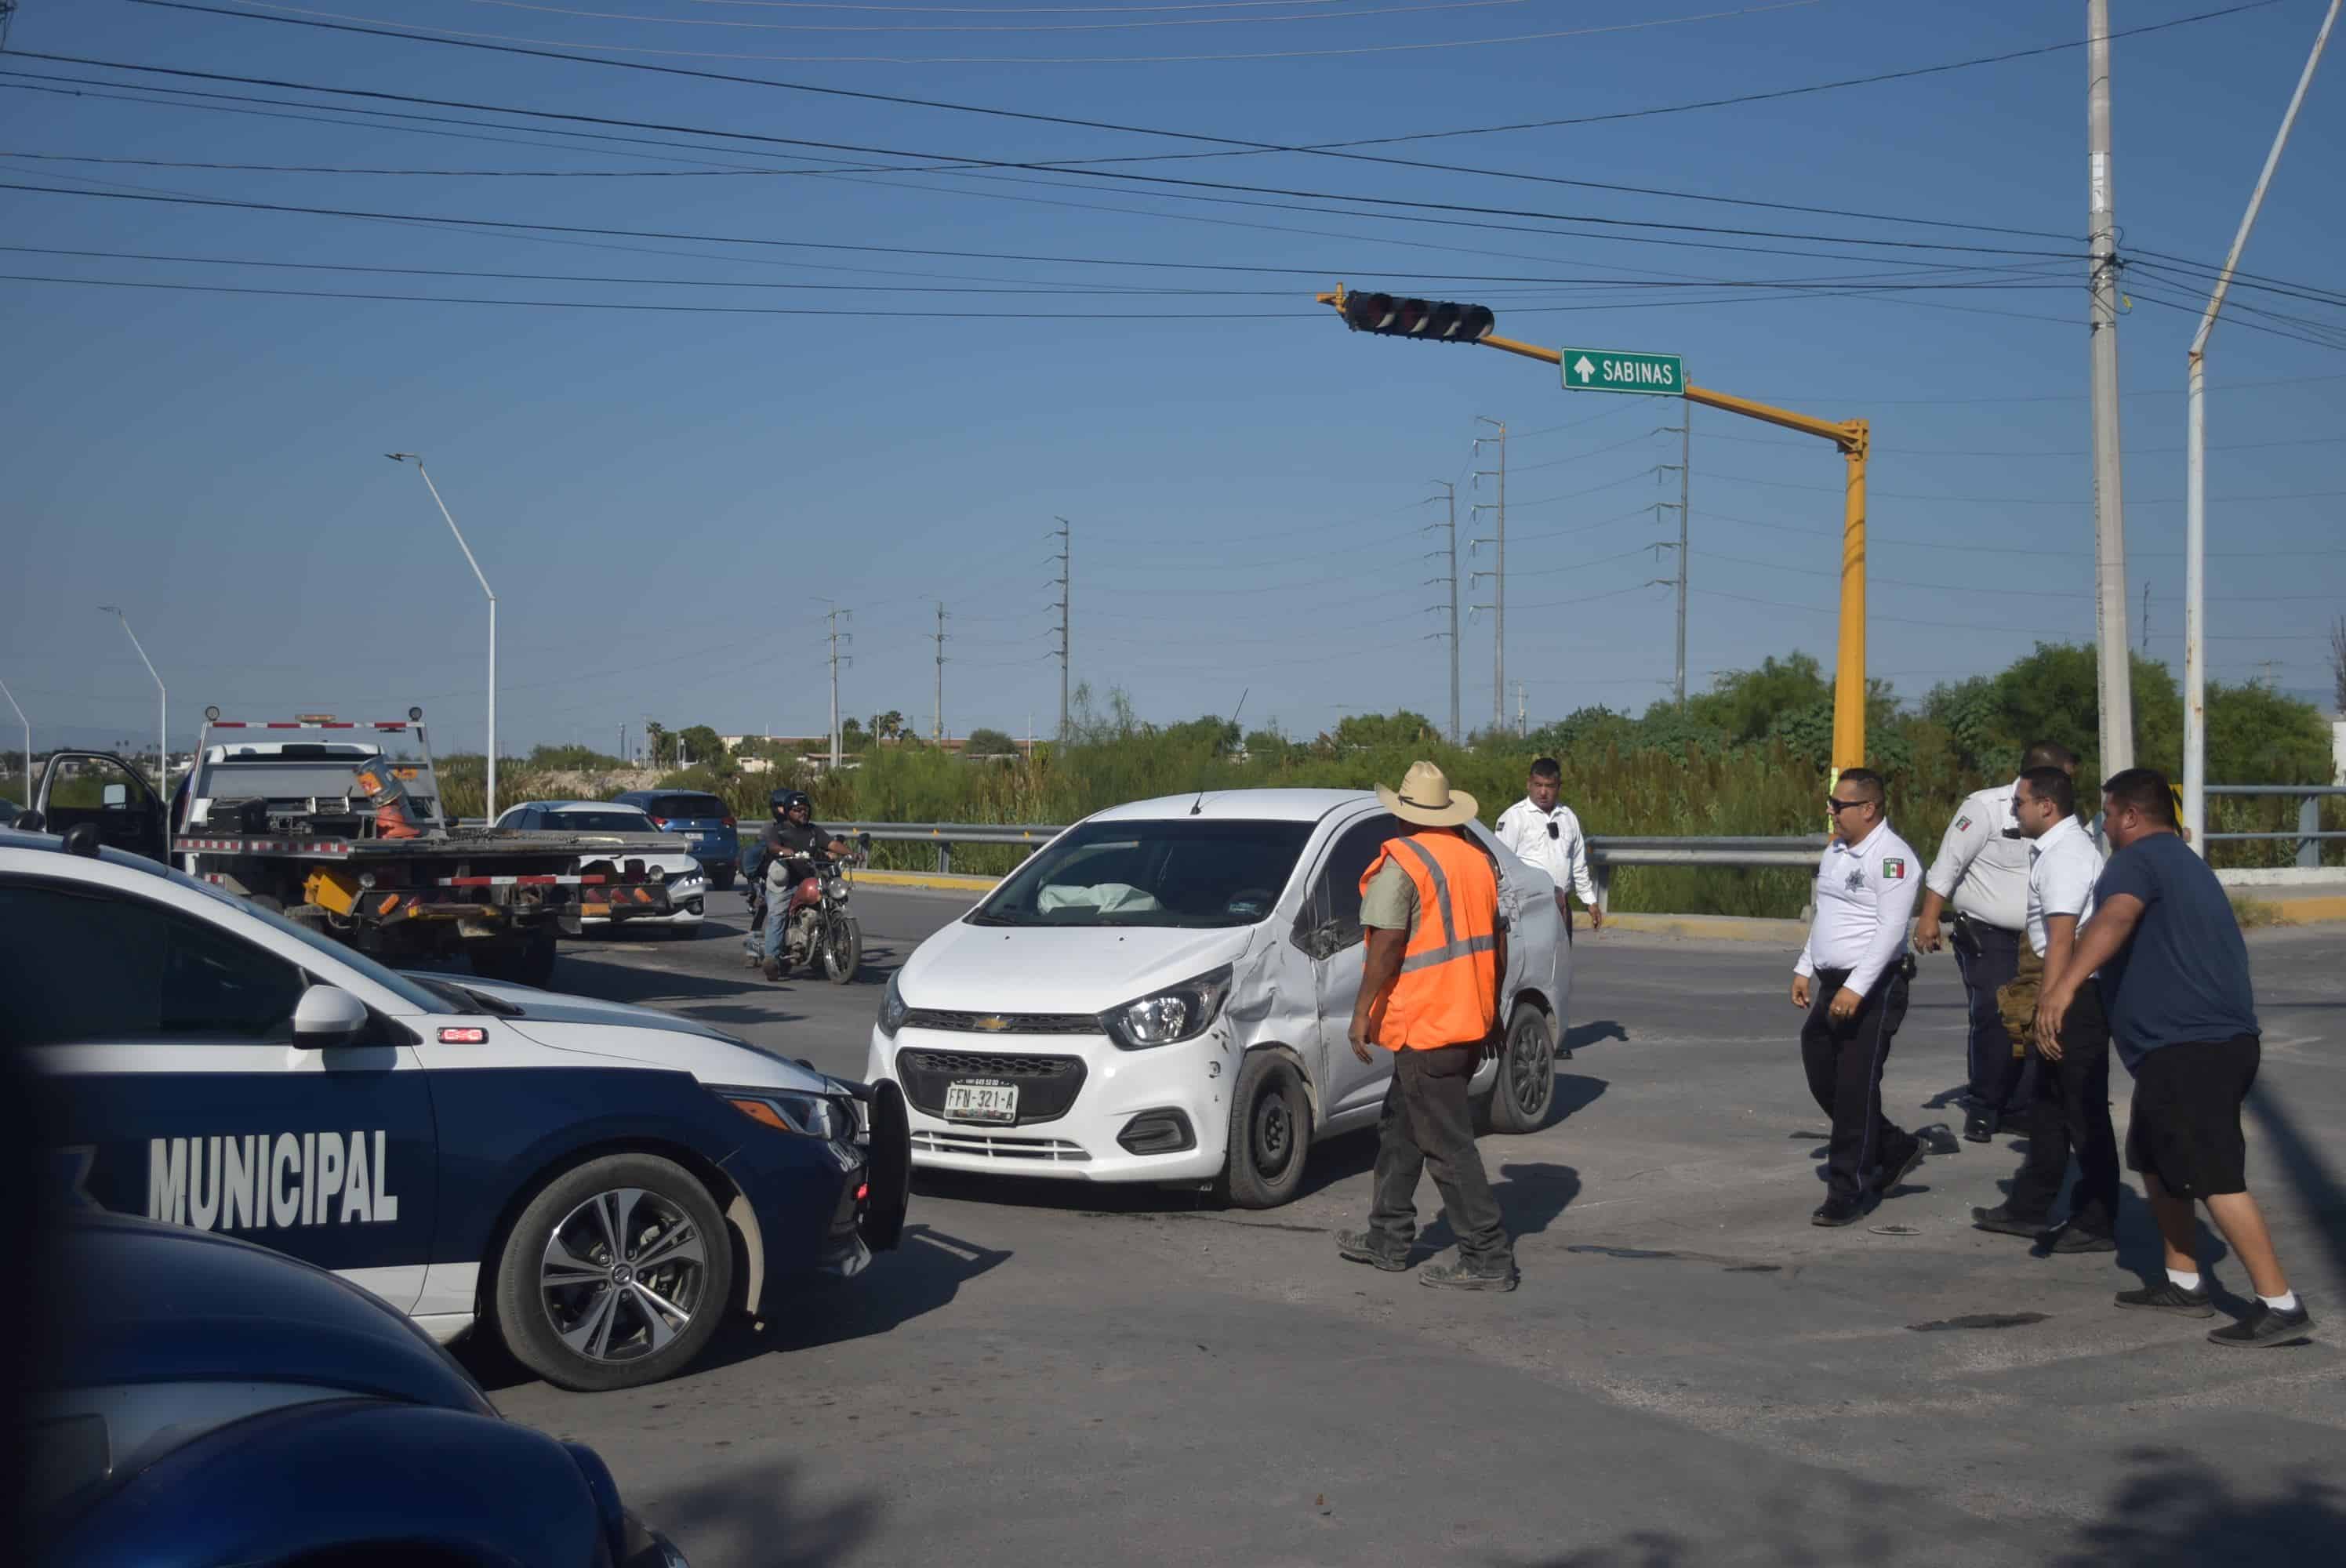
point(2284, 1302)
point(2184, 1282)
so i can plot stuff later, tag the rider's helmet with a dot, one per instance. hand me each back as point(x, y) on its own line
point(782, 800)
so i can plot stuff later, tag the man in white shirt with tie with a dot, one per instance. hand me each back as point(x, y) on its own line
point(2071, 1113)
point(1851, 980)
point(1541, 829)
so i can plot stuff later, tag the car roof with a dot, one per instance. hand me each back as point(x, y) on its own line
point(164, 1303)
point(574, 806)
point(55, 844)
point(1240, 805)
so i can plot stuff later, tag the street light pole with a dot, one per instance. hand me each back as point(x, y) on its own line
point(163, 727)
point(2114, 653)
point(28, 741)
point(417, 459)
point(2195, 487)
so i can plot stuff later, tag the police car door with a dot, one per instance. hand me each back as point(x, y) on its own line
point(1338, 946)
point(160, 1028)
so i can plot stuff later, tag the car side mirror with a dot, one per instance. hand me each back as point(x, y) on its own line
point(327, 1015)
point(115, 796)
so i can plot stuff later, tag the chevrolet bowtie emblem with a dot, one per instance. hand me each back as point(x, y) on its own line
point(993, 1022)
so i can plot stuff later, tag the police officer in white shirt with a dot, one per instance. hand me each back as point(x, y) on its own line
point(1541, 829)
point(1851, 979)
point(2071, 1113)
point(1983, 870)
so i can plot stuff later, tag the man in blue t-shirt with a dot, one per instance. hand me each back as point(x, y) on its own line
point(2175, 986)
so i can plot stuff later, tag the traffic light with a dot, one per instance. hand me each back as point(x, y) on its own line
point(1433, 319)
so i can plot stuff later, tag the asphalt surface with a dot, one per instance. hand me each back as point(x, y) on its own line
point(1691, 1374)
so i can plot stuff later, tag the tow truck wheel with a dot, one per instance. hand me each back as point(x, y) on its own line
point(616, 1276)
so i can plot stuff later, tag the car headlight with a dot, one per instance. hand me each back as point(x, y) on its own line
point(892, 1011)
point(786, 1110)
point(1166, 1017)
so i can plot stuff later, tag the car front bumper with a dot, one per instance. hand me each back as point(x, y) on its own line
point(1069, 1131)
point(685, 899)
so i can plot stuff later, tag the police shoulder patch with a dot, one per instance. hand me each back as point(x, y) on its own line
point(1962, 824)
point(1894, 869)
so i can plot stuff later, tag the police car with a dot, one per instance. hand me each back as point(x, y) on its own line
point(598, 1185)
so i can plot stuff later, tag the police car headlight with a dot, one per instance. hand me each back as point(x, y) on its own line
point(1177, 1012)
point(809, 1116)
point(892, 1011)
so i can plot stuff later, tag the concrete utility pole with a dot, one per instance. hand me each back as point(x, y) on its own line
point(1498, 571)
point(28, 741)
point(837, 637)
point(937, 714)
point(2113, 645)
point(2195, 484)
point(163, 729)
point(1449, 528)
point(1065, 535)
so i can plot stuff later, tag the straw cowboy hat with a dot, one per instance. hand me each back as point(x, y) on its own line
point(1426, 798)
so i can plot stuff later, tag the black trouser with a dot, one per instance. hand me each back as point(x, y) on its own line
point(1427, 1122)
point(1988, 956)
point(1844, 1059)
point(2072, 1115)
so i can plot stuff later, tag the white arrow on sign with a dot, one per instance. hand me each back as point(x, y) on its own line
point(1583, 369)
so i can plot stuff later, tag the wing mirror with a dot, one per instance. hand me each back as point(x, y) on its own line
point(863, 842)
point(327, 1015)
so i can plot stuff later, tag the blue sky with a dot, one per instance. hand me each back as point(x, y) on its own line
point(665, 501)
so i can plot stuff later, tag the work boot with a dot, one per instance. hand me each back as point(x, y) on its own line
point(1837, 1211)
point(1363, 1247)
point(2075, 1237)
point(1464, 1275)
point(1898, 1167)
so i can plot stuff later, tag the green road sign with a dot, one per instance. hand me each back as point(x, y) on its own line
point(1611, 370)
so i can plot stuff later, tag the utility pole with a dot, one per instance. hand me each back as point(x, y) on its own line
point(937, 714)
point(2146, 620)
point(837, 637)
point(1065, 535)
point(1523, 723)
point(622, 752)
point(2195, 487)
point(1498, 571)
point(28, 741)
point(1450, 527)
point(2116, 683)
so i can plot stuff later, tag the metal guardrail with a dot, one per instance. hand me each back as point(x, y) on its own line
point(2309, 834)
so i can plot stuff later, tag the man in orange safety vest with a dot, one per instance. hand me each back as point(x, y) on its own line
point(1430, 994)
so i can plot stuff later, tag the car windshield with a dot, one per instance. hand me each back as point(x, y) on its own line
point(670, 807)
point(617, 821)
point(1177, 873)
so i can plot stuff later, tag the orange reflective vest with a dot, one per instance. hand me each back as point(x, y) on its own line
point(1448, 990)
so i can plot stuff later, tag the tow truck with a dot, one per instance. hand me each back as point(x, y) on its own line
point(316, 819)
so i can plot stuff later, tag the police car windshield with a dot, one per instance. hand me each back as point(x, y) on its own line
point(406, 990)
point(1177, 873)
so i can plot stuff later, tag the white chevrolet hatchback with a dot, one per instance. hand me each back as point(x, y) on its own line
point(1161, 995)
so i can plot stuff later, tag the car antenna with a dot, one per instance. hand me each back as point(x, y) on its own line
point(1200, 803)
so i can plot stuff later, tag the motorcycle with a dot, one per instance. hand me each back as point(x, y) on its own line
point(819, 929)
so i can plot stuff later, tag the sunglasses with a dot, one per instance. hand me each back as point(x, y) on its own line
point(1845, 805)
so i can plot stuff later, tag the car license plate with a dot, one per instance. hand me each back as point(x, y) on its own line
point(982, 1100)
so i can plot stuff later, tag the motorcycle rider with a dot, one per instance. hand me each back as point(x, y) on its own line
point(784, 857)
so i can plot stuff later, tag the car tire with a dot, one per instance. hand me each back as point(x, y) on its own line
point(721, 880)
point(1524, 1090)
point(1271, 1133)
point(560, 1302)
point(842, 955)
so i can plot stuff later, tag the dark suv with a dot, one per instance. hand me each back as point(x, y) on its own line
point(703, 819)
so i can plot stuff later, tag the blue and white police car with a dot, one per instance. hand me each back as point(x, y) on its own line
point(598, 1185)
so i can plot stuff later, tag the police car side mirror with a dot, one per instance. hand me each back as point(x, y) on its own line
point(326, 1016)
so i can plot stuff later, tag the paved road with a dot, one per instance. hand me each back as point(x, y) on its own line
point(1692, 1374)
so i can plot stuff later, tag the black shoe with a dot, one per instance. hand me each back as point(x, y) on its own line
point(1837, 1211)
point(773, 968)
point(1360, 1246)
point(2168, 1297)
point(2003, 1222)
point(1463, 1276)
point(2074, 1237)
point(2264, 1326)
point(1890, 1177)
point(1979, 1126)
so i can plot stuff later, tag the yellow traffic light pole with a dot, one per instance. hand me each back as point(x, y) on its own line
point(1851, 437)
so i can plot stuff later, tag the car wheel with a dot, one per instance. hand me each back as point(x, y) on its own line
point(1271, 1133)
point(616, 1275)
point(843, 954)
point(1526, 1089)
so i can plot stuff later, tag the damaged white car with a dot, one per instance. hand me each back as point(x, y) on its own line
point(1161, 995)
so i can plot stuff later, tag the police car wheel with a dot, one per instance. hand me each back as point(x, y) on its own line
point(1526, 1089)
point(616, 1275)
point(1271, 1133)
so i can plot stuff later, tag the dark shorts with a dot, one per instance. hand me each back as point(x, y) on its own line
point(2186, 1126)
